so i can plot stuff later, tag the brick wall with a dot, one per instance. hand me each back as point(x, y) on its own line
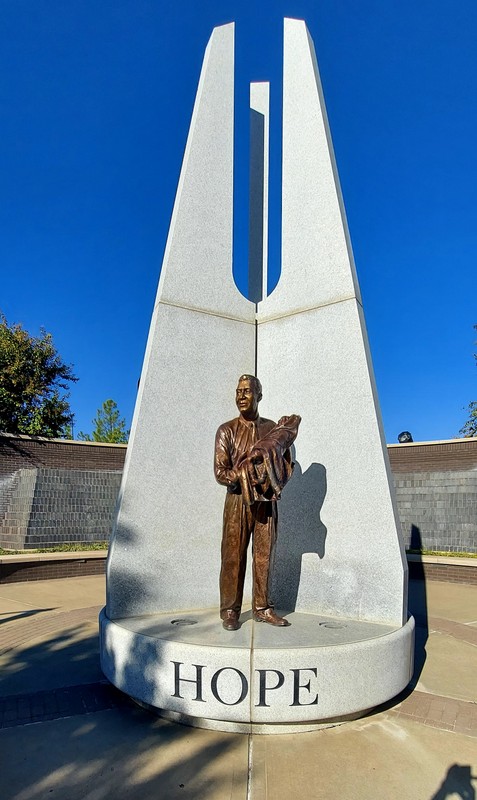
point(54, 491)
point(436, 489)
point(25, 451)
point(453, 454)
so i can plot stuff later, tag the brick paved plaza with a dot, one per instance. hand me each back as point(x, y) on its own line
point(67, 733)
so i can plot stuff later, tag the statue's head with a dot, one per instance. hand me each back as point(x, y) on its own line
point(248, 396)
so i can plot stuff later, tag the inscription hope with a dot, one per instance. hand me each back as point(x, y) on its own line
point(299, 684)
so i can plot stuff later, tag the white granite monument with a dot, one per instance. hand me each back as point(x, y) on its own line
point(340, 575)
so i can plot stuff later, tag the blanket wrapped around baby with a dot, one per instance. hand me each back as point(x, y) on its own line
point(266, 469)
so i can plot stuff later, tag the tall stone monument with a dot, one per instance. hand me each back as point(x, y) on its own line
point(340, 572)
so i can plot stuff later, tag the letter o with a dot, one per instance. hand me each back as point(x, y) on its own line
point(213, 686)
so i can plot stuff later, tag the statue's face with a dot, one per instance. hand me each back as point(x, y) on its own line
point(247, 399)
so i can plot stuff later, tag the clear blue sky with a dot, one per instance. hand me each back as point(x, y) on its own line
point(96, 99)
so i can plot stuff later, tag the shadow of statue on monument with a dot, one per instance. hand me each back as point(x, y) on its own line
point(300, 531)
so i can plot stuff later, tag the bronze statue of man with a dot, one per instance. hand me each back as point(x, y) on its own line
point(253, 461)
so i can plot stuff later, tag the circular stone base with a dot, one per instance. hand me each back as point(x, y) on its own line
point(318, 672)
point(268, 728)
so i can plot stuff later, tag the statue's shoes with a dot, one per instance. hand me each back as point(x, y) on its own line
point(231, 620)
point(268, 615)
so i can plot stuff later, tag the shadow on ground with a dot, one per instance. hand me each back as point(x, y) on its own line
point(8, 616)
point(122, 753)
point(118, 751)
point(417, 603)
point(457, 783)
point(68, 658)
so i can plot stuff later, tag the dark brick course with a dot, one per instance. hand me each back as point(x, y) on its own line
point(25, 451)
point(446, 573)
point(57, 703)
point(455, 454)
point(34, 570)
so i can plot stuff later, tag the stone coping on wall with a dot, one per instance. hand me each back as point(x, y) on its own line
point(59, 441)
point(455, 561)
point(20, 567)
point(81, 442)
point(68, 555)
point(433, 441)
point(75, 555)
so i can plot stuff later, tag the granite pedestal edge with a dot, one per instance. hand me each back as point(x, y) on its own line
point(260, 729)
point(255, 679)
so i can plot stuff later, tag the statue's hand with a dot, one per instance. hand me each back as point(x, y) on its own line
point(256, 467)
point(255, 456)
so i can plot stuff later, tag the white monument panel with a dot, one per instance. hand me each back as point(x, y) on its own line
point(339, 571)
point(165, 550)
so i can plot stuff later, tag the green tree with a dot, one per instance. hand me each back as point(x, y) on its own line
point(108, 426)
point(470, 427)
point(33, 383)
point(67, 432)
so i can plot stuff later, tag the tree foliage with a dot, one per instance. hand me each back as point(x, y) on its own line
point(33, 383)
point(108, 426)
point(470, 427)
